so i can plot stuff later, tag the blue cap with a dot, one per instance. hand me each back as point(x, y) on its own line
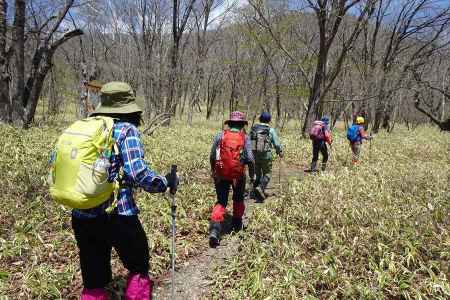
point(325, 119)
point(265, 117)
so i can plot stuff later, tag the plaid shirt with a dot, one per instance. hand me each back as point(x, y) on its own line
point(135, 173)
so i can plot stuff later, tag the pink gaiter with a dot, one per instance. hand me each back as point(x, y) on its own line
point(139, 287)
point(94, 294)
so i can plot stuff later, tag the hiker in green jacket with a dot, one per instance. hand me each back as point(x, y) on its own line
point(264, 139)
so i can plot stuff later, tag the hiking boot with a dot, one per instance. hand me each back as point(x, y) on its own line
point(324, 166)
point(259, 193)
point(313, 166)
point(268, 194)
point(236, 224)
point(214, 234)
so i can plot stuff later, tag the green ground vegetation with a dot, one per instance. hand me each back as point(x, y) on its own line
point(379, 230)
point(376, 231)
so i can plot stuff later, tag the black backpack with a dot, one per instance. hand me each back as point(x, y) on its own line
point(260, 137)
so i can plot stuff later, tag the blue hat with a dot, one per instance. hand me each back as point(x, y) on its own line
point(265, 117)
point(325, 119)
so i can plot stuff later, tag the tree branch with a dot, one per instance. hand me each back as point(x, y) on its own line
point(62, 14)
point(67, 36)
point(442, 125)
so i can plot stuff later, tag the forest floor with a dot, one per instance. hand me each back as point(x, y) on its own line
point(194, 278)
point(380, 230)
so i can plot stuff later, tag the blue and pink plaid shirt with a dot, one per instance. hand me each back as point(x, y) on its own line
point(136, 173)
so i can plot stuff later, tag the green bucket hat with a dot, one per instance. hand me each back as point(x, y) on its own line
point(116, 98)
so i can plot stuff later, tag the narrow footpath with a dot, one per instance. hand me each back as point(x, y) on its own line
point(194, 278)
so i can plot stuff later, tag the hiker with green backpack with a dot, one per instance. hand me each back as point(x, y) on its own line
point(231, 151)
point(97, 164)
point(355, 135)
point(264, 138)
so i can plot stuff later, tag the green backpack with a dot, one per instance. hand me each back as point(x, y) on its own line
point(260, 138)
point(79, 164)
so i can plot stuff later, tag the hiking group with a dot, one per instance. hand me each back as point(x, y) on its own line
point(232, 149)
point(320, 136)
point(98, 162)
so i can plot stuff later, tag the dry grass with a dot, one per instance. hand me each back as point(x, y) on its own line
point(378, 230)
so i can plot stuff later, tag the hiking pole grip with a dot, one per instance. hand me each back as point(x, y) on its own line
point(173, 170)
point(173, 177)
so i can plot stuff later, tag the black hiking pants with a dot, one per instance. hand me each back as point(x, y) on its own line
point(319, 146)
point(95, 239)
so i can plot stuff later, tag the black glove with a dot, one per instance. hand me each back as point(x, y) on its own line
point(172, 182)
point(281, 155)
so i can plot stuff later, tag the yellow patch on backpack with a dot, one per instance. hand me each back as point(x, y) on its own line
point(80, 162)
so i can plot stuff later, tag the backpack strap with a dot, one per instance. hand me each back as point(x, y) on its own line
point(118, 182)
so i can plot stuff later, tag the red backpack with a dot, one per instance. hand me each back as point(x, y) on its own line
point(317, 133)
point(228, 159)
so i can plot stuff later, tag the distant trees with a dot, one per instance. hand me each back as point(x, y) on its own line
point(410, 33)
point(376, 43)
point(428, 90)
point(330, 15)
point(23, 71)
point(298, 59)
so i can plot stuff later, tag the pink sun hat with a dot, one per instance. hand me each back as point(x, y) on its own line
point(237, 116)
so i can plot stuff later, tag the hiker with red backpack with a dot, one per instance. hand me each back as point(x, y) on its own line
point(230, 152)
point(320, 136)
point(264, 138)
point(355, 135)
point(105, 213)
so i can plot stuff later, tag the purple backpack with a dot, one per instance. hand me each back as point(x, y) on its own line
point(316, 133)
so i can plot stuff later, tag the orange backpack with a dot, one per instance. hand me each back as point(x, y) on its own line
point(228, 155)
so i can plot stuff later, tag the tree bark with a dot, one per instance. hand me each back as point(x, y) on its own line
point(329, 21)
point(19, 59)
point(5, 115)
point(53, 95)
point(443, 125)
point(20, 108)
point(42, 62)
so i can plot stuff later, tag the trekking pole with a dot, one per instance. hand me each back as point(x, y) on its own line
point(279, 175)
point(331, 154)
point(173, 174)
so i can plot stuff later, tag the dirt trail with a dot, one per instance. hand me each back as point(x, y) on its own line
point(194, 278)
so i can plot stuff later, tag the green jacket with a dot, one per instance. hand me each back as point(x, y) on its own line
point(274, 143)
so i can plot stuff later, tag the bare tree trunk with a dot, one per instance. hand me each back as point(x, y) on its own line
point(19, 60)
point(150, 106)
point(177, 32)
point(5, 114)
point(35, 92)
point(329, 18)
point(212, 91)
point(266, 100)
point(26, 94)
point(82, 110)
point(443, 125)
point(42, 62)
point(313, 112)
point(278, 100)
point(172, 78)
point(443, 96)
point(380, 106)
point(53, 95)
